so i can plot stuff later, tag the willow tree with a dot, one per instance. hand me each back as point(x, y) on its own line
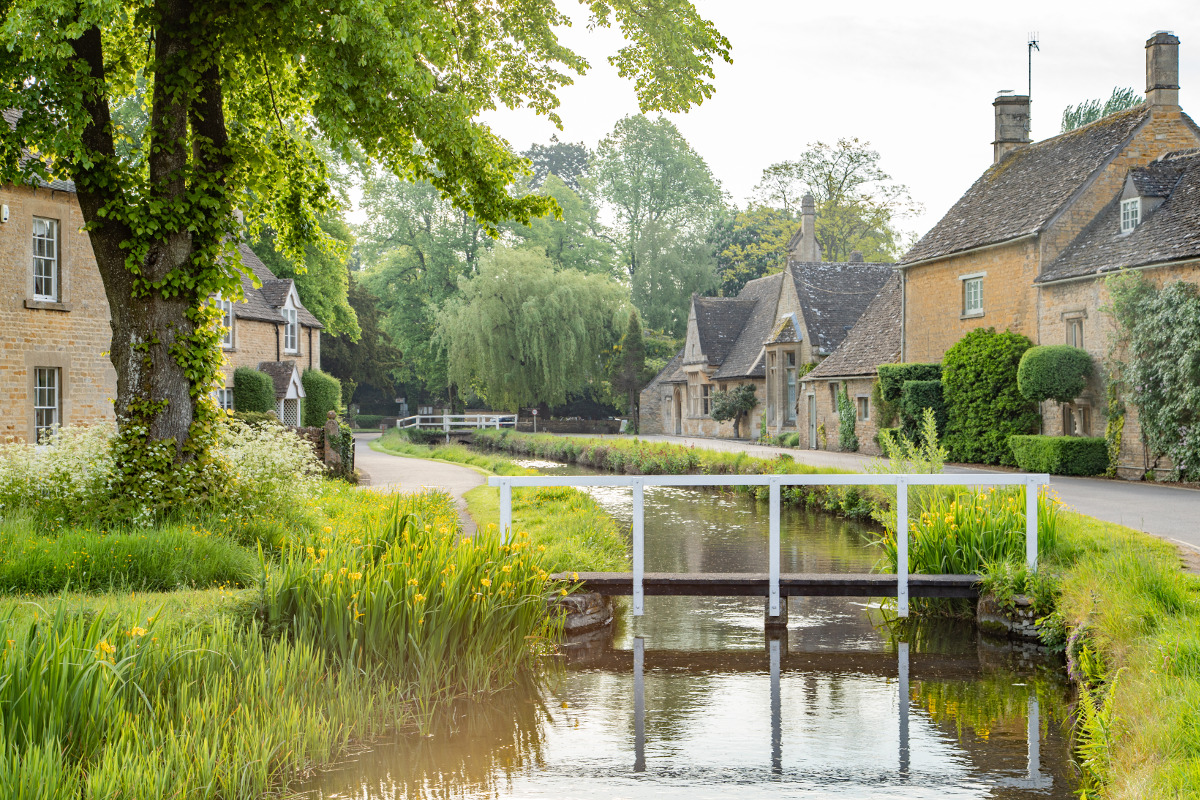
point(522, 333)
point(233, 95)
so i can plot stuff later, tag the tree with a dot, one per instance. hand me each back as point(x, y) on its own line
point(373, 360)
point(857, 202)
point(572, 240)
point(237, 94)
point(750, 244)
point(629, 365)
point(523, 333)
point(568, 161)
point(674, 266)
point(734, 404)
point(1090, 111)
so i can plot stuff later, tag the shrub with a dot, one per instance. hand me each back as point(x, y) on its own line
point(983, 404)
point(734, 404)
point(893, 376)
point(322, 394)
point(1054, 372)
point(365, 421)
point(1061, 455)
point(915, 397)
point(253, 390)
point(847, 439)
point(791, 439)
point(256, 417)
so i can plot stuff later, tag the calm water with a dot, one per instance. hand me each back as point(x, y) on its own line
point(694, 701)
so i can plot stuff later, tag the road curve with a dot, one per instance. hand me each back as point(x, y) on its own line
point(397, 473)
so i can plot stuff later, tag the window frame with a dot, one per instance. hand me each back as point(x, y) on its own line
point(55, 408)
point(970, 282)
point(705, 399)
point(1075, 332)
point(40, 259)
point(227, 320)
point(863, 403)
point(224, 398)
point(291, 331)
point(1131, 214)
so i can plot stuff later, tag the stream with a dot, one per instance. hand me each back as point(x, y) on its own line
point(693, 700)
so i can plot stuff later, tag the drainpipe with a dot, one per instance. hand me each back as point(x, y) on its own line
point(309, 347)
point(903, 313)
point(278, 355)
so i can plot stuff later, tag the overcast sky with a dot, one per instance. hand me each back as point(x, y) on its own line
point(915, 79)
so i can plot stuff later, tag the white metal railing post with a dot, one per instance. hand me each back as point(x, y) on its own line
point(901, 546)
point(773, 558)
point(505, 509)
point(639, 548)
point(902, 668)
point(1031, 524)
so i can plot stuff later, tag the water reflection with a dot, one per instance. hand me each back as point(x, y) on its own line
point(694, 700)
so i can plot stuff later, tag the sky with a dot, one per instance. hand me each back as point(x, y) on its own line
point(915, 79)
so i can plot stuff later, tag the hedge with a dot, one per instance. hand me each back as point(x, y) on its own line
point(365, 421)
point(253, 391)
point(893, 376)
point(322, 394)
point(915, 397)
point(1060, 455)
point(983, 404)
point(1054, 372)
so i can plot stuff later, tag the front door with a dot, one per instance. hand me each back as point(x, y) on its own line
point(812, 422)
point(678, 413)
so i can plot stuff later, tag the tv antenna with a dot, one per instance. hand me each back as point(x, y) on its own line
point(1031, 46)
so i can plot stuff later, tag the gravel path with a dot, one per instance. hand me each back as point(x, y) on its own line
point(397, 473)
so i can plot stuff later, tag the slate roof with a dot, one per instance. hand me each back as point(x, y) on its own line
point(1156, 179)
point(281, 375)
point(1169, 233)
point(264, 304)
point(874, 340)
point(833, 295)
point(719, 321)
point(1022, 193)
point(744, 359)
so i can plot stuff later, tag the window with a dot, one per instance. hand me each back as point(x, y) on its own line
point(226, 307)
point(705, 399)
point(972, 296)
point(789, 412)
point(224, 399)
point(291, 331)
point(46, 396)
point(833, 395)
point(1131, 214)
point(864, 408)
point(1075, 332)
point(45, 259)
point(772, 386)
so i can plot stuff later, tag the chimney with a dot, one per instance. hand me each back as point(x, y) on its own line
point(1162, 69)
point(856, 257)
point(807, 250)
point(1012, 124)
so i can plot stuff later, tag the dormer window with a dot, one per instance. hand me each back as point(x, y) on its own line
point(1131, 214)
point(291, 331)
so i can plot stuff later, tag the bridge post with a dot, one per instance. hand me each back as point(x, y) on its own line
point(776, 710)
point(505, 509)
point(902, 664)
point(773, 557)
point(1031, 524)
point(902, 547)
point(639, 548)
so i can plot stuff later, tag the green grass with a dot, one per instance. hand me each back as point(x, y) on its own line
point(395, 444)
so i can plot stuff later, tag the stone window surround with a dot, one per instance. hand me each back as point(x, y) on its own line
point(49, 209)
point(60, 361)
point(1075, 315)
point(862, 403)
point(963, 281)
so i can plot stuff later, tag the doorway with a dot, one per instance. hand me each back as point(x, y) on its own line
point(678, 413)
point(812, 422)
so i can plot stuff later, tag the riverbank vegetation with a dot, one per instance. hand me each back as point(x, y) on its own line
point(226, 647)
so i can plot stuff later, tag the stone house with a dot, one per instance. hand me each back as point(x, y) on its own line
point(1025, 247)
point(874, 340)
point(54, 365)
point(767, 336)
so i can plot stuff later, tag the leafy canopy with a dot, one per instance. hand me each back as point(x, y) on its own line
point(1089, 111)
point(1054, 372)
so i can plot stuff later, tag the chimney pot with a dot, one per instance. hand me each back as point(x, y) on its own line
point(856, 257)
point(1012, 124)
point(1162, 69)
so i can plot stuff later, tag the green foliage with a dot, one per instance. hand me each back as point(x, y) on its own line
point(1060, 455)
point(322, 394)
point(373, 360)
point(1090, 111)
point(750, 244)
point(984, 406)
point(253, 391)
point(1157, 365)
point(368, 421)
point(922, 453)
point(734, 404)
point(847, 439)
point(886, 411)
point(567, 161)
point(574, 239)
point(1114, 428)
point(257, 417)
point(858, 204)
point(1004, 580)
point(915, 397)
point(892, 378)
point(523, 333)
point(1054, 372)
point(628, 365)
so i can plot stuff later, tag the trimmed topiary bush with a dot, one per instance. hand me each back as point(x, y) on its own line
point(984, 407)
point(322, 394)
point(1061, 455)
point(915, 397)
point(1054, 372)
point(893, 376)
point(253, 391)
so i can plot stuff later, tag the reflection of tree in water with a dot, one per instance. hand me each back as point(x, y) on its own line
point(993, 700)
point(472, 750)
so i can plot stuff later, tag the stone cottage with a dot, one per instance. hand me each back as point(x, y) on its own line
point(1025, 248)
point(54, 365)
point(767, 336)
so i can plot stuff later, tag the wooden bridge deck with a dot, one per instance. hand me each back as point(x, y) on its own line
point(751, 584)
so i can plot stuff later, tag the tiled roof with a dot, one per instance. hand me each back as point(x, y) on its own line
point(1156, 179)
point(874, 340)
point(743, 360)
point(719, 321)
point(1023, 192)
point(1169, 233)
point(281, 373)
point(833, 295)
point(265, 304)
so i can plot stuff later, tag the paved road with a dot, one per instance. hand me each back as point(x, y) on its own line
point(1170, 512)
point(396, 473)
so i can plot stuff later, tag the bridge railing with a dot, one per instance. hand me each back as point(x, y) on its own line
point(775, 483)
point(457, 422)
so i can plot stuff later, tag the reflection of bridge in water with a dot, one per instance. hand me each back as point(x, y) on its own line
point(932, 666)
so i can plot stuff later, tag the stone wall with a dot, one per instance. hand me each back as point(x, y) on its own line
point(827, 418)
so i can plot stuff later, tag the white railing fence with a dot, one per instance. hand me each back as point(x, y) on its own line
point(457, 422)
point(775, 483)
